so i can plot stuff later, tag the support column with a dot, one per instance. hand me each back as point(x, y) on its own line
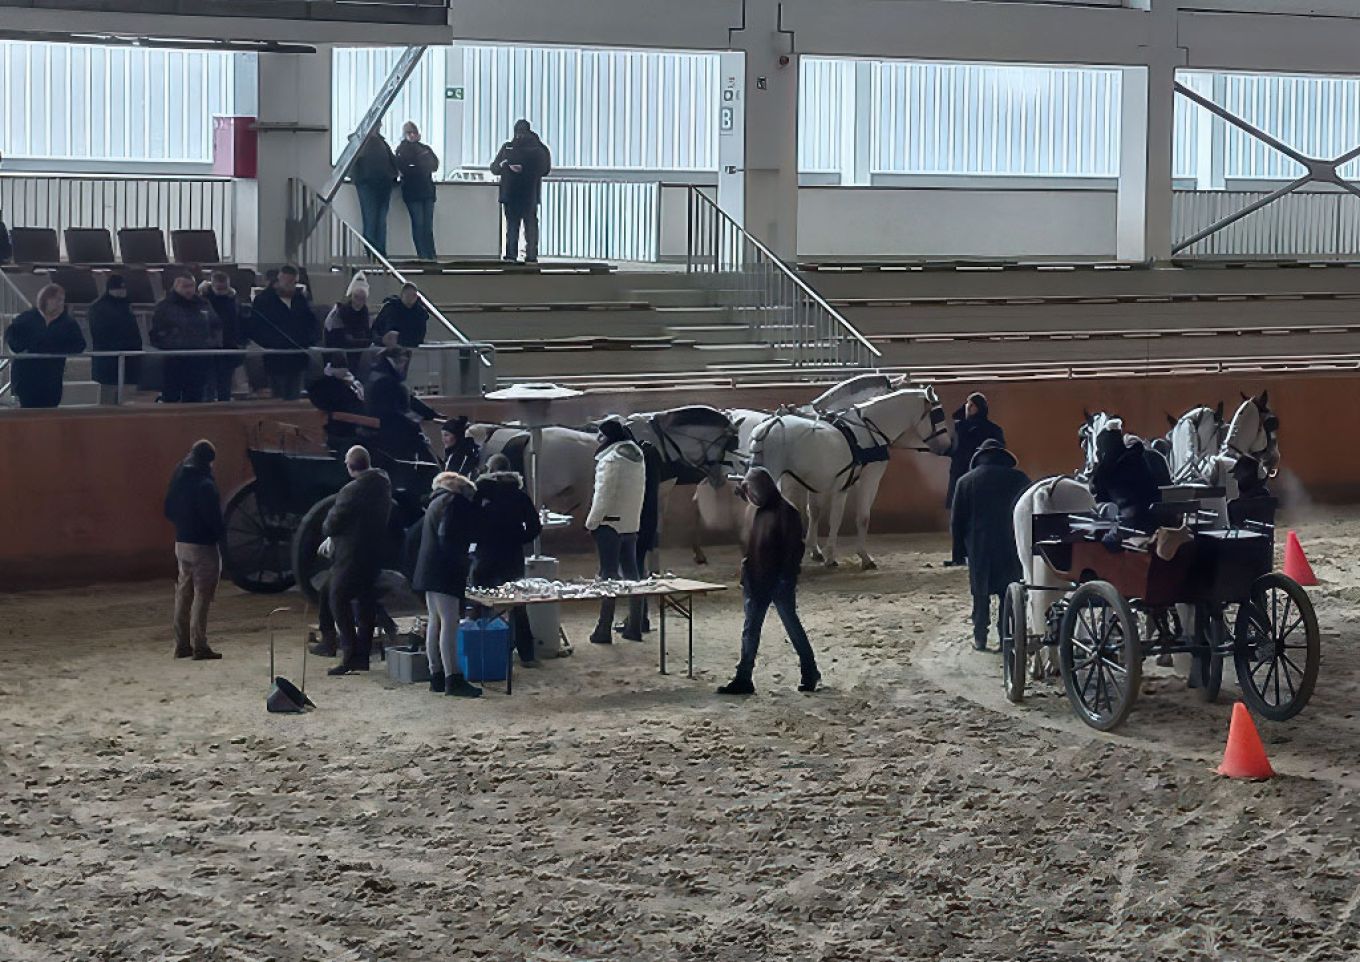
point(294, 125)
point(864, 124)
point(767, 139)
point(1147, 140)
point(454, 83)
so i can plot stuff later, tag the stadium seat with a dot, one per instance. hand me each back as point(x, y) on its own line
point(79, 284)
point(195, 246)
point(142, 245)
point(35, 245)
point(89, 246)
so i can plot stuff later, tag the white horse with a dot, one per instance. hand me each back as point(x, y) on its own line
point(812, 457)
point(566, 462)
point(1193, 441)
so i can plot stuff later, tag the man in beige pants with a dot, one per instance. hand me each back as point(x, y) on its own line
point(195, 509)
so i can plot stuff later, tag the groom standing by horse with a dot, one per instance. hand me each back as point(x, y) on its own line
point(972, 426)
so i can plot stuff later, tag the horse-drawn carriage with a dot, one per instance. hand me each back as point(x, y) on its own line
point(1208, 592)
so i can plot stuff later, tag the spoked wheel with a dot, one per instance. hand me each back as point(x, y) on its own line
point(1102, 659)
point(1211, 631)
point(1278, 648)
point(1014, 641)
point(311, 568)
point(257, 543)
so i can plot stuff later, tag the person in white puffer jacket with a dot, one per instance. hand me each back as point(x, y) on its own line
point(614, 519)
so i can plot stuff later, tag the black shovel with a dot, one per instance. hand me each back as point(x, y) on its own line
point(285, 698)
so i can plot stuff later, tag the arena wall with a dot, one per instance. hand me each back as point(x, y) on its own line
point(82, 488)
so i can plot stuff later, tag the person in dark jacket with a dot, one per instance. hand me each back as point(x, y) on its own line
point(399, 412)
point(462, 454)
point(507, 522)
point(184, 322)
point(194, 507)
point(224, 302)
point(521, 164)
point(649, 530)
point(983, 527)
point(404, 316)
point(769, 576)
point(281, 318)
point(113, 327)
point(448, 529)
point(1123, 481)
point(356, 529)
point(417, 164)
point(43, 329)
point(349, 326)
point(374, 173)
point(972, 426)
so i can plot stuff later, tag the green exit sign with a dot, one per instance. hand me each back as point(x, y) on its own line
point(454, 93)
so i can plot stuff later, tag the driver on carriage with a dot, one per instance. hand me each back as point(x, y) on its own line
point(1123, 484)
point(399, 412)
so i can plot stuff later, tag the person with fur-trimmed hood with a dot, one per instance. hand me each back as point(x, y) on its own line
point(441, 572)
point(984, 531)
point(615, 518)
point(507, 522)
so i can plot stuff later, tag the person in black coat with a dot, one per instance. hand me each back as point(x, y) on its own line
point(1123, 482)
point(983, 528)
point(224, 302)
point(441, 571)
point(356, 529)
point(462, 454)
point(972, 426)
point(184, 322)
point(113, 327)
point(43, 329)
point(194, 507)
point(417, 164)
point(649, 527)
point(404, 316)
point(374, 173)
point(281, 318)
point(349, 325)
point(507, 522)
point(399, 412)
point(521, 164)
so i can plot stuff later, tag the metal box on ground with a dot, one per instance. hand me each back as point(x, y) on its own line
point(408, 665)
point(545, 620)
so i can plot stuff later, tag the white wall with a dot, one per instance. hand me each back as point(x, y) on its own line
point(855, 222)
point(467, 220)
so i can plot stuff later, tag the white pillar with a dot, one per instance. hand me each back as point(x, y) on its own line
point(294, 129)
point(767, 139)
point(1147, 141)
point(864, 123)
point(454, 106)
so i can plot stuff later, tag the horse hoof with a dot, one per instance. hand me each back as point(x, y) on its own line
point(816, 554)
point(869, 564)
point(831, 563)
point(701, 559)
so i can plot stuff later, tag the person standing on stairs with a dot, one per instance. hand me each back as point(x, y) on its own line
point(521, 164)
point(417, 164)
point(374, 174)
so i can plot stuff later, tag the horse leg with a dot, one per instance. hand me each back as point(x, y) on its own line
point(809, 507)
point(866, 492)
point(838, 500)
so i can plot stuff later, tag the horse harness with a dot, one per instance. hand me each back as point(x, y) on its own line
point(676, 466)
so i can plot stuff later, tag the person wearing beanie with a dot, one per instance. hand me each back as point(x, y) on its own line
point(983, 528)
point(194, 507)
point(521, 165)
point(113, 327)
point(614, 520)
point(225, 303)
point(972, 426)
point(462, 454)
point(349, 325)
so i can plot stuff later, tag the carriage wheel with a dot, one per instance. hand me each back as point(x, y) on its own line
point(1102, 659)
point(1278, 648)
point(308, 565)
point(1211, 631)
point(1014, 641)
point(256, 547)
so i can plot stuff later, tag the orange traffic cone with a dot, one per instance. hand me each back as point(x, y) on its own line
point(1245, 756)
point(1296, 563)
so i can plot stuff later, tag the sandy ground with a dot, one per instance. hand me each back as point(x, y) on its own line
point(151, 809)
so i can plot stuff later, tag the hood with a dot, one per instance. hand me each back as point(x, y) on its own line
point(621, 449)
point(760, 487)
point(1109, 445)
point(450, 483)
point(499, 483)
point(992, 452)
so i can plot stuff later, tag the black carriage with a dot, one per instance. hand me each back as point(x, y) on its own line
point(274, 520)
point(1127, 602)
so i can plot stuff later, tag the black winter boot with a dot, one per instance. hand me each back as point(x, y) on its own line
point(811, 678)
point(739, 685)
point(437, 681)
point(460, 687)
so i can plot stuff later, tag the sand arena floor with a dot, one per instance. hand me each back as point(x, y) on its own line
point(151, 810)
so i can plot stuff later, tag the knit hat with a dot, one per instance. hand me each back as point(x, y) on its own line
point(203, 453)
point(357, 283)
point(456, 426)
point(115, 282)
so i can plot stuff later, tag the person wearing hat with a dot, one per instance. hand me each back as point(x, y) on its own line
point(113, 327)
point(399, 412)
point(983, 527)
point(349, 326)
point(521, 164)
point(194, 507)
point(462, 454)
point(614, 519)
point(972, 426)
point(226, 304)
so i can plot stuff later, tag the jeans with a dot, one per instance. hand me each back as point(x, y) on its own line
point(757, 600)
point(186, 379)
point(422, 227)
point(618, 559)
point(286, 387)
point(982, 616)
point(374, 200)
point(515, 215)
point(354, 603)
point(200, 565)
point(441, 634)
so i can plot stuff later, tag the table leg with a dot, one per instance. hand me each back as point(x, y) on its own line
point(661, 604)
point(509, 616)
point(691, 635)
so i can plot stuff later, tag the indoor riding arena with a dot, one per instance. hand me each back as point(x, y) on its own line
point(743, 480)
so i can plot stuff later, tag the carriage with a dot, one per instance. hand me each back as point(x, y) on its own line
point(1213, 597)
point(274, 520)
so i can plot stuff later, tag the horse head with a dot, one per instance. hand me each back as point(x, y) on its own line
point(911, 418)
point(1254, 431)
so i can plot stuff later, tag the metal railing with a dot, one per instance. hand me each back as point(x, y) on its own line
point(60, 201)
point(320, 239)
point(444, 369)
point(776, 304)
point(606, 220)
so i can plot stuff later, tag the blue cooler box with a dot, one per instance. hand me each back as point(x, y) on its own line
point(484, 649)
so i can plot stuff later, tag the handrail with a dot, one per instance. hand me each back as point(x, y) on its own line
point(702, 206)
point(308, 195)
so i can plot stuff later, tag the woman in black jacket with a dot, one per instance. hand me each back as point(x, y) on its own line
point(507, 522)
point(113, 327)
point(44, 329)
point(441, 572)
point(417, 164)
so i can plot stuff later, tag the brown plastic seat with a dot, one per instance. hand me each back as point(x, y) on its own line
point(142, 245)
point(88, 245)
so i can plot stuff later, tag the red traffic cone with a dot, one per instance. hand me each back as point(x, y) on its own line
point(1296, 563)
point(1245, 756)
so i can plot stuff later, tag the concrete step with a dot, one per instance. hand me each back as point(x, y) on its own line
point(523, 288)
point(79, 394)
point(709, 334)
point(662, 297)
point(547, 325)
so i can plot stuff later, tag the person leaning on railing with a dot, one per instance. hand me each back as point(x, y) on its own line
point(281, 318)
point(183, 321)
point(113, 327)
point(43, 329)
point(225, 303)
point(406, 315)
